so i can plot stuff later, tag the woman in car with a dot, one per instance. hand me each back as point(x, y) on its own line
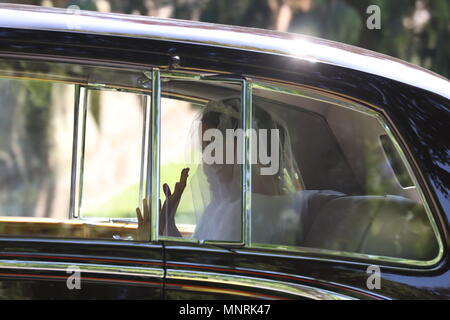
point(278, 196)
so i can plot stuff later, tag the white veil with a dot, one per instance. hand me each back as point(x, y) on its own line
point(216, 188)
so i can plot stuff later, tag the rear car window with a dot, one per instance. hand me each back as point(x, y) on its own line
point(338, 187)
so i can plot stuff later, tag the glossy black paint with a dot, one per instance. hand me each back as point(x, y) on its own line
point(421, 119)
point(51, 284)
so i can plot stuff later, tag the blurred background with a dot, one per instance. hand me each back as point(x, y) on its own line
point(417, 31)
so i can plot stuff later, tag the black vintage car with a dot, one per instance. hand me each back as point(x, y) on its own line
point(326, 173)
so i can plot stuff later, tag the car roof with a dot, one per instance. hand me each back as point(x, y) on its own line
point(250, 39)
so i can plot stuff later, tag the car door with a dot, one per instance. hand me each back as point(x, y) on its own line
point(74, 165)
point(76, 269)
point(333, 215)
point(199, 264)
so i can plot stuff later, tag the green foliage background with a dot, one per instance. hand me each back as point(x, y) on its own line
point(338, 20)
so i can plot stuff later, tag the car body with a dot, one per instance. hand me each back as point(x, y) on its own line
point(413, 102)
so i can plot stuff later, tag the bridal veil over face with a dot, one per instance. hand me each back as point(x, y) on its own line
point(214, 154)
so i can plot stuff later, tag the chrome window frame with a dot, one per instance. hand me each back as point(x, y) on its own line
point(81, 91)
point(79, 142)
point(152, 190)
point(246, 115)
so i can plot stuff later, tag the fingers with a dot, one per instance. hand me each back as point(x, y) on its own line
point(146, 217)
point(183, 181)
point(184, 176)
point(166, 190)
point(181, 185)
point(139, 216)
point(172, 199)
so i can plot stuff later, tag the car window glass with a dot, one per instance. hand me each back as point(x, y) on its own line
point(331, 184)
point(42, 114)
point(112, 155)
point(200, 124)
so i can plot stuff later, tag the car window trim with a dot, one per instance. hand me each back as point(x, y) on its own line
point(246, 176)
point(79, 141)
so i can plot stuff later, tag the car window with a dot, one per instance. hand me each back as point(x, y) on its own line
point(111, 159)
point(336, 182)
point(71, 152)
point(78, 153)
point(201, 143)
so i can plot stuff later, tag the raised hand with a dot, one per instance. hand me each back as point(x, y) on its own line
point(167, 212)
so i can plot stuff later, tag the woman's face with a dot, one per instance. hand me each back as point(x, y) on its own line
point(223, 173)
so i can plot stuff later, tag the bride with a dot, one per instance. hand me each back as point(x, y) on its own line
point(278, 199)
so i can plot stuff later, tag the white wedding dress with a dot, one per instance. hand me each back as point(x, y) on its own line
point(275, 219)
